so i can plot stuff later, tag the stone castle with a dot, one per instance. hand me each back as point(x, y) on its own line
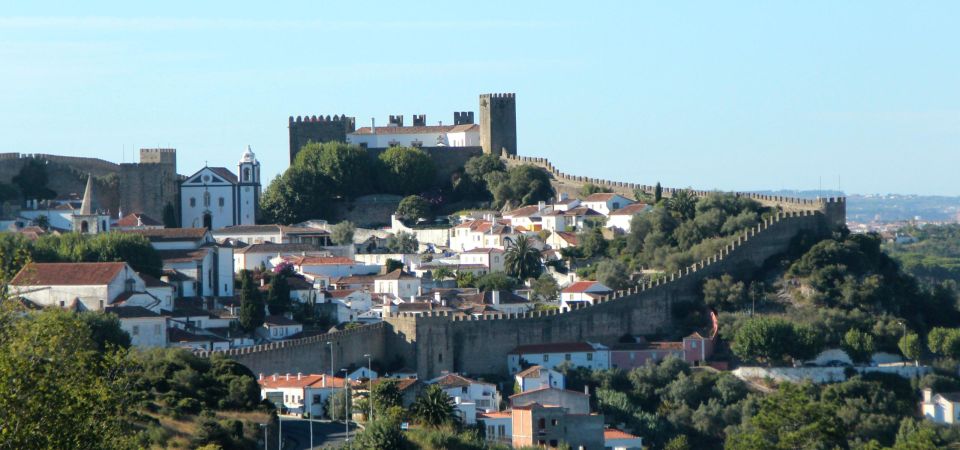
point(435, 342)
point(128, 187)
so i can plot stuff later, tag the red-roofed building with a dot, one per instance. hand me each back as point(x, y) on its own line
point(137, 221)
point(470, 396)
point(582, 293)
point(77, 286)
point(619, 220)
point(614, 439)
point(300, 393)
point(605, 202)
point(327, 266)
point(484, 233)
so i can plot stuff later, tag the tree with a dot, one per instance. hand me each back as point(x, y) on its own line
point(386, 394)
point(496, 281)
point(133, 249)
point(473, 184)
point(910, 346)
point(944, 341)
point(683, 203)
point(442, 273)
point(466, 280)
point(413, 207)
point(546, 288)
point(105, 331)
point(391, 264)
point(657, 193)
point(346, 168)
point(43, 222)
point(858, 345)
point(724, 293)
point(522, 259)
point(278, 295)
point(642, 196)
point(251, 307)
point(433, 407)
point(42, 408)
point(335, 407)
point(382, 433)
point(170, 216)
point(678, 443)
point(613, 274)
point(406, 170)
point(589, 189)
point(342, 233)
point(520, 185)
point(32, 180)
point(790, 418)
point(592, 243)
point(403, 242)
point(773, 338)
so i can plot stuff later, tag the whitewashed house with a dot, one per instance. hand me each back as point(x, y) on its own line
point(619, 220)
point(77, 286)
point(276, 328)
point(214, 197)
point(192, 261)
point(327, 266)
point(485, 233)
point(605, 202)
point(469, 396)
point(582, 293)
point(536, 377)
point(300, 394)
point(397, 283)
point(579, 354)
point(145, 327)
point(941, 407)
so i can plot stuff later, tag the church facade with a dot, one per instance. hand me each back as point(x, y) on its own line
point(215, 197)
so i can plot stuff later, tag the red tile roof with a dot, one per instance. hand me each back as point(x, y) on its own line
point(138, 220)
point(547, 388)
point(171, 234)
point(319, 260)
point(580, 286)
point(292, 381)
point(68, 274)
point(524, 211)
point(224, 173)
point(631, 209)
point(174, 256)
point(613, 433)
point(452, 380)
point(418, 129)
point(397, 274)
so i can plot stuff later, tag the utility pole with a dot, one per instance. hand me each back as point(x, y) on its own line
point(346, 407)
point(370, 386)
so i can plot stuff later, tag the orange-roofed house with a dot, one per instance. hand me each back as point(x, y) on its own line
point(77, 286)
point(300, 393)
point(605, 202)
point(483, 233)
point(582, 293)
point(614, 439)
point(327, 266)
point(619, 220)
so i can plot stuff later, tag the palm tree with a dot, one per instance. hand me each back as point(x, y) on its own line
point(443, 273)
point(683, 203)
point(522, 259)
point(433, 407)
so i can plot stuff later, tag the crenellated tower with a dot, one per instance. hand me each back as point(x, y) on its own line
point(498, 123)
point(318, 129)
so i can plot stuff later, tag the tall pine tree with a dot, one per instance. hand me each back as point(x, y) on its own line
point(278, 295)
point(251, 306)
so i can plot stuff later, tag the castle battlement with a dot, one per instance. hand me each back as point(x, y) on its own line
point(321, 118)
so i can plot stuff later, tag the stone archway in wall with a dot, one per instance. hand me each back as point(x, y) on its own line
point(208, 220)
point(84, 227)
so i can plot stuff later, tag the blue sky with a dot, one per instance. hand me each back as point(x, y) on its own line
point(727, 95)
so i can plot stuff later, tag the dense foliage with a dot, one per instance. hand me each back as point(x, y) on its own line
point(75, 247)
point(931, 253)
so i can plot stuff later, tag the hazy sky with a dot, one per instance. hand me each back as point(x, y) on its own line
point(708, 94)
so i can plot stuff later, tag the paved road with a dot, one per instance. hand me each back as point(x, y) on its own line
point(296, 434)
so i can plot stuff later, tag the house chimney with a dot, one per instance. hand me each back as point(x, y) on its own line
point(373, 125)
point(261, 377)
point(586, 390)
point(261, 282)
point(299, 375)
point(274, 377)
point(436, 296)
point(495, 297)
point(288, 377)
point(541, 205)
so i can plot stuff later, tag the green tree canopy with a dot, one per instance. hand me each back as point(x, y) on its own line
point(613, 274)
point(32, 181)
point(278, 295)
point(345, 168)
point(791, 418)
point(496, 281)
point(403, 242)
point(773, 339)
point(406, 170)
point(342, 233)
point(546, 288)
point(520, 185)
point(414, 207)
point(724, 293)
point(522, 260)
point(433, 407)
point(252, 313)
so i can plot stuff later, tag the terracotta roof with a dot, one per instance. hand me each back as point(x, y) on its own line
point(151, 281)
point(174, 256)
point(68, 274)
point(581, 211)
point(570, 238)
point(452, 380)
point(224, 173)
point(292, 381)
point(613, 433)
point(584, 286)
point(601, 197)
point(486, 298)
point(530, 372)
point(560, 347)
point(269, 247)
point(130, 312)
point(631, 209)
point(171, 234)
point(495, 415)
point(355, 279)
point(417, 129)
point(525, 211)
point(402, 383)
point(341, 293)
point(397, 274)
point(484, 250)
point(547, 388)
point(279, 321)
point(138, 220)
point(319, 260)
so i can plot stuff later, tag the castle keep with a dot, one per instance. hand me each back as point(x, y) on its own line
point(456, 141)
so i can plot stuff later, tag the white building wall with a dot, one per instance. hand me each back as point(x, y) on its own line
point(146, 332)
point(595, 360)
point(225, 271)
point(192, 216)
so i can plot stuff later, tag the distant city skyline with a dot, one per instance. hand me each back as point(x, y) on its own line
point(711, 96)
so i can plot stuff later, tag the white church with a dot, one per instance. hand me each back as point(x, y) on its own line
point(215, 197)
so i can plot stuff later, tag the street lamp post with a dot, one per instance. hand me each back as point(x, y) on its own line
point(346, 406)
point(266, 442)
point(370, 385)
point(332, 373)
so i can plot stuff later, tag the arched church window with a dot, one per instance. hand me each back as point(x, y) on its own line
point(193, 202)
point(206, 199)
point(246, 174)
point(221, 202)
